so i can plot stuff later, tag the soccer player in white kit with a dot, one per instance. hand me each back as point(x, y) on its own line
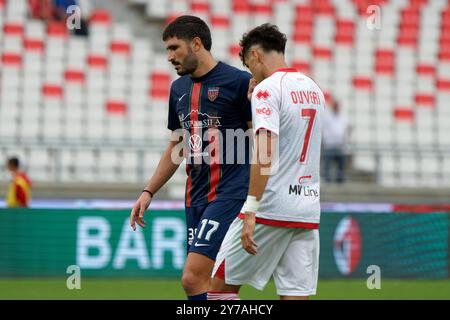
point(276, 233)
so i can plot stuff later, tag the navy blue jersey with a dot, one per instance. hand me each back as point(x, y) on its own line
point(204, 106)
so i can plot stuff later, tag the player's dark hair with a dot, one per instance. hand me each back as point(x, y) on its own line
point(267, 36)
point(187, 28)
point(14, 161)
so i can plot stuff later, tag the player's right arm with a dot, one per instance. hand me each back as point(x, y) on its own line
point(168, 164)
point(266, 119)
point(164, 171)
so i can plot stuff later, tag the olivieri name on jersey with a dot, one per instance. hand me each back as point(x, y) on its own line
point(305, 97)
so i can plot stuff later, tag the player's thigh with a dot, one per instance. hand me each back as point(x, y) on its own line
point(198, 266)
point(237, 266)
point(213, 225)
point(193, 216)
point(297, 270)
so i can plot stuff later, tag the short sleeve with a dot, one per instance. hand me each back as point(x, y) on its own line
point(244, 103)
point(173, 122)
point(266, 108)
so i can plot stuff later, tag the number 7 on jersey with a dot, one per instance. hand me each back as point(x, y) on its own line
point(310, 114)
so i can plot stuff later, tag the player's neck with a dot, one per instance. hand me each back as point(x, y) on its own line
point(206, 64)
point(274, 64)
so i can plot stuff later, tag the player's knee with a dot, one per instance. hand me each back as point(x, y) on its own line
point(191, 280)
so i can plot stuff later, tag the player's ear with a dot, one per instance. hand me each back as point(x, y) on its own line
point(258, 55)
point(255, 53)
point(196, 44)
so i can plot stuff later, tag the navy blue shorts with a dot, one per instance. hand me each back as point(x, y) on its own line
point(208, 224)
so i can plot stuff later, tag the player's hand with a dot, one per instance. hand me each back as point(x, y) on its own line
point(251, 86)
point(247, 233)
point(137, 213)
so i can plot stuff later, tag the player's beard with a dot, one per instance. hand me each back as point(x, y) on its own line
point(189, 65)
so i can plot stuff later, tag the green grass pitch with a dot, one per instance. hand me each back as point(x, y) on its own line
point(170, 289)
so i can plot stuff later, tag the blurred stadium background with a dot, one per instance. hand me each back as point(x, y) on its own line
point(86, 115)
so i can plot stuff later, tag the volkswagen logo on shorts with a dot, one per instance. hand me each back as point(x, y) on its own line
point(195, 142)
point(347, 245)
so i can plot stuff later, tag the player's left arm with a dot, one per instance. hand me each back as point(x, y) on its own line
point(266, 118)
point(265, 142)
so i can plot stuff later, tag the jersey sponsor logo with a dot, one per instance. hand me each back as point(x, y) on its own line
point(262, 95)
point(213, 93)
point(264, 110)
point(201, 244)
point(304, 179)
point(302, 190)
point(180, 98)
point(195, 142)
point(205, 120)
point(347, 245)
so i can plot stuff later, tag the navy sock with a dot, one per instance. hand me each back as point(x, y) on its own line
point(201, 296)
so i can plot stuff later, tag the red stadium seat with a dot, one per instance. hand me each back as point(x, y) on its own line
point(159, 93)
point(218, 21)
point(200, 6)
point(74, 76)
point(160, 77)
point(345, 30)
point(101, 17)
point(116, 107)
point(241, 6)
point(410, 16)
point(409, 27)
point(363, 5)
point(52, 90)
point(362, 83)
point(11, 59)
point(302, 66)
point(426, 70)
point(445, 19)
point(13, 29)
point(57, 30)
point(444, 51)
point(33, 45)
point(98, 62)
point(344, 39)
point(172, 17)
point(404, 114)
point(234, 50)
point(304, 15)
point(322, 53)
point(426, 100)
point(260, 8)
point(160, 83)
point(303, 37)
point(417, 4)
point(443, 85)
point(385, 60)
point(323, 7)
point(120, 47)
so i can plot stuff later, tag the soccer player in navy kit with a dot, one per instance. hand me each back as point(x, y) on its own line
point(209, 98)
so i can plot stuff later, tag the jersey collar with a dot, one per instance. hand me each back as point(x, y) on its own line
point(285, 70)
point(203, 77)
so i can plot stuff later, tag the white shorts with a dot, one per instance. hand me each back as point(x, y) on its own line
point(291, 255)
